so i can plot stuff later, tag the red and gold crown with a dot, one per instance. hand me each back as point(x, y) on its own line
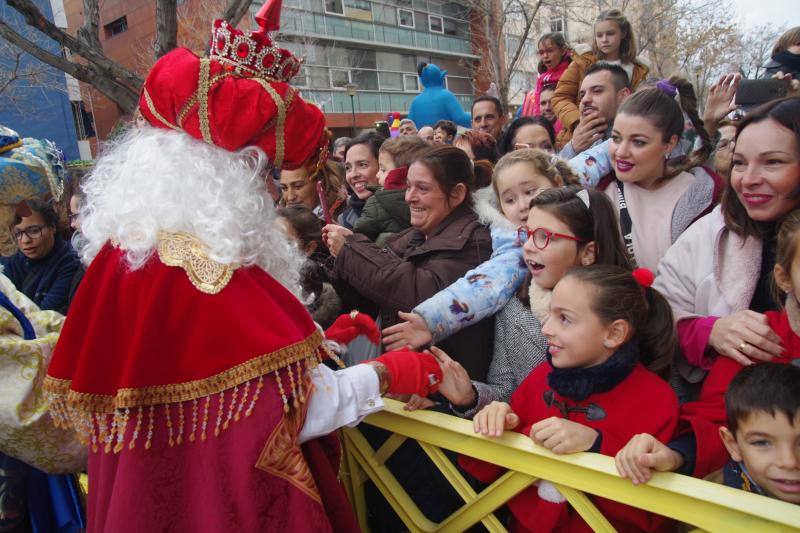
point(238, 96)
point(256, 54)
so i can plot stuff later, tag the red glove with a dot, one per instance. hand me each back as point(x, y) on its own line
point(348, 327)
point(411, 372)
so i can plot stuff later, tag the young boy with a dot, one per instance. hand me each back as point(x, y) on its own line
point(763, 433)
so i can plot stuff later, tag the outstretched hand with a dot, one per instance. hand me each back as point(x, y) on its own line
point(456, 385)
point(719, 101)
point(411, 334)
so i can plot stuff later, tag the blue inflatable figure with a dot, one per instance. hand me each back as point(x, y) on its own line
point(436, 103)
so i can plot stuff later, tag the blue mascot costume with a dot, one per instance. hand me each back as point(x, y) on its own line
point(436, 103)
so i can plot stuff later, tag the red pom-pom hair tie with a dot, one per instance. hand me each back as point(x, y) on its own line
point(644, 277)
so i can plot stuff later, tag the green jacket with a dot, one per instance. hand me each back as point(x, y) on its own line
point(385, 213)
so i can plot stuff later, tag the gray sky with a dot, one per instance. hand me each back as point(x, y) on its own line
point(779, 12)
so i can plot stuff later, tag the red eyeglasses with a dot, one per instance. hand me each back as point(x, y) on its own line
point(541, 236)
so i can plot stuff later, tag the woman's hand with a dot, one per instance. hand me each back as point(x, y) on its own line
point(456, 385)
point(794, 85)
point(643, 454)
point(720, 101)
point(560, 435)
point(334, 236)
point(495, 418)
point(411, 334)
point(743, 336)
point(418, 402)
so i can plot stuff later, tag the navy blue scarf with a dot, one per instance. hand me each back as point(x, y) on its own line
point(580, 383)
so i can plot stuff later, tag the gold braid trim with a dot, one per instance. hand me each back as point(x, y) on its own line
point(279, 133)
point(152, 108)
point(305, 350)
point(203, 88)
point(190, 103)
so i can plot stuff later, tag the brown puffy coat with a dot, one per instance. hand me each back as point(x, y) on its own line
point(410, 268)
point(565, 99)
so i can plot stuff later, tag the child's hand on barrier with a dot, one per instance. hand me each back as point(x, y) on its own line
point(495, 418)
point(416, 402)
point(643, 454)
point(560, 435)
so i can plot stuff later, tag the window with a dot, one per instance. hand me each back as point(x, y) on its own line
point(317, 78)
point(435, 24)
point(459, 85)
point(410, 83)
point(334, 7)
point(358, 9)
point(301, 80)
point(450, 27)
point(390, 81)
point(351, 57)
point(339, 78)
point(116, 27)
point(367, 80)
point(405, 18)
point(385, 14)
point(557, 24)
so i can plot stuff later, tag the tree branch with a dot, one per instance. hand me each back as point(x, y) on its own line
point(89, 32)
point(166, 26)
point(101, 63)
point(235, 11)
point(126, 97)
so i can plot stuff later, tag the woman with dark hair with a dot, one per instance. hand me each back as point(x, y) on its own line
point(299, 187)
point(717, 275)
point(361, 173)
point(445, 240)
point(529, 132)
point(45, 263)
point(305, 229)
point(658, 197)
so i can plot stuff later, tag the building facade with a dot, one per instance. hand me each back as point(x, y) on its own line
point(375, 45)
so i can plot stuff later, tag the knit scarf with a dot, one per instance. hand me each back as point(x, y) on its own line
point(580, 383)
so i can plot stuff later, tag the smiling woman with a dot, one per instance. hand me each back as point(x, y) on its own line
point(445, 240)
point(717, 275)
point(657, 196)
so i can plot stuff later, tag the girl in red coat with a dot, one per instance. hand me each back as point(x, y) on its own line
point(604, 327)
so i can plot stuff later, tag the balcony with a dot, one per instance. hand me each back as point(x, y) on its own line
point(306, 25)
point(368, 102)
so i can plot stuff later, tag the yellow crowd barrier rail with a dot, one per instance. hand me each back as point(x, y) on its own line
point(701, 504)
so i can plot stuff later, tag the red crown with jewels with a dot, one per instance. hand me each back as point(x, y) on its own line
point(254, 55)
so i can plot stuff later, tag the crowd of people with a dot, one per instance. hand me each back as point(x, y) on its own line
point(608, 271)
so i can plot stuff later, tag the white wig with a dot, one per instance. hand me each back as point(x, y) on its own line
point(153, 180)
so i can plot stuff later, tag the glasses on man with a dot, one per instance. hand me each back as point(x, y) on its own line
point(33, 232)
point(541, 237)
point(547, 147)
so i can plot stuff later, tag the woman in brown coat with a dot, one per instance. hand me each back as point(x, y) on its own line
point(615, 43)
point(445, 240)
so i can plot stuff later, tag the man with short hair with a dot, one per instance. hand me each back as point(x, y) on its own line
point(488, 116)
point(444, 132)
point(545, 107)
point(407, 127)
point(339, 148)
point(603, 89)
point(426, 134)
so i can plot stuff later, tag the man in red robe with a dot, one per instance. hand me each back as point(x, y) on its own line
point(188, 365)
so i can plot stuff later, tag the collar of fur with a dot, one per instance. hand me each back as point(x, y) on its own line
point(488, 209)
point(539, 301)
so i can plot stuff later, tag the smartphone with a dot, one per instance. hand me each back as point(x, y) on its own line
point(754, 92)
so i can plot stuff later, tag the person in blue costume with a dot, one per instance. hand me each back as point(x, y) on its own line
point(35, 493)
point(436, 103)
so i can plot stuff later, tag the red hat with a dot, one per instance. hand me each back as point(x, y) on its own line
point(238, 96)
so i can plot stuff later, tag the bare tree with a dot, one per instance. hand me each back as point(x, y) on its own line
point(756, 47)
point(90, 64)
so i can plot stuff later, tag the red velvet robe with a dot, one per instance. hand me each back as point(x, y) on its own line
point(705, 416)
point(191, 403)
point(641, 403)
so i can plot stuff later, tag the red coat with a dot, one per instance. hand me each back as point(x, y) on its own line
point(705, 416)
point(641, 403)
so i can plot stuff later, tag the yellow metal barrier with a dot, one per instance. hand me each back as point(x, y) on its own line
point(704, 505)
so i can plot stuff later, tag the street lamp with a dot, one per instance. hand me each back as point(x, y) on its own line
point(352, 89)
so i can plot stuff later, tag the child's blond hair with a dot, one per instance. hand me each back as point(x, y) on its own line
point(554, 169)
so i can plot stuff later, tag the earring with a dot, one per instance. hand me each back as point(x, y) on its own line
point(607, 344)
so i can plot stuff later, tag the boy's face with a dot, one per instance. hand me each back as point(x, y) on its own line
point(769, 447)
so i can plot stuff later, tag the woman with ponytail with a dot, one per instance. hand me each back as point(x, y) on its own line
point(657, 195)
